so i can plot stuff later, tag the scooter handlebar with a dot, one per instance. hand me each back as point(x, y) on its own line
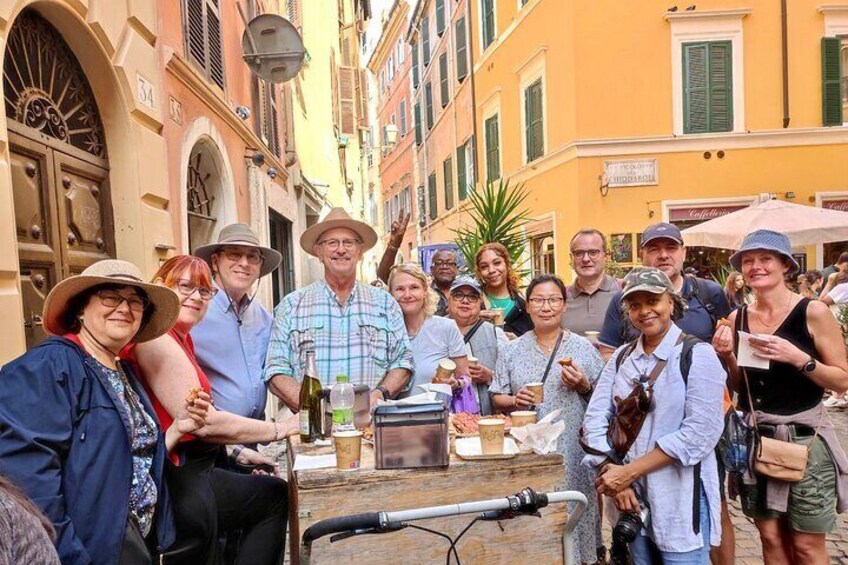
point(320, 529)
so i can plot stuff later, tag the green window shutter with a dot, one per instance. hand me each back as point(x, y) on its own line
point(461, 50)
point(448, 171)
point(533, 126)
point(415, 79)
point(721, 87)
point(461, 180)
point(472, 170)
point(417, 117)
point(440, 17)
point(428, 103)
point(425, 40)
point(695, 99)
point(443, 74)
point(493, 166)
point(487, 10)
point(831, 82)
point(431, 195)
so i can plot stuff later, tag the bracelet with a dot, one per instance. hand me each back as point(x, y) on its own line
point(390, 246)
point(384, 391)
point(514, 402)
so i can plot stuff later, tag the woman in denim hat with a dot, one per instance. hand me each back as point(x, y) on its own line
point(802, 342)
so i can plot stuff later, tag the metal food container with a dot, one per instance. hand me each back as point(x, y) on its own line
point(361, 409)
point(411, 436)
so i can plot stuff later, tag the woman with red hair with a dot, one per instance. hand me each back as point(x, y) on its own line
point(207, 499)
point(500, 284)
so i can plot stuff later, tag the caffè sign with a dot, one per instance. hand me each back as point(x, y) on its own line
point(631, 172)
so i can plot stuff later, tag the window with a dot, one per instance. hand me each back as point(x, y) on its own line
point(428, 103)
point(493, 154)
point(415, 79)
point(487, 15)
point(461, 50)
point(534, 133)
point(542, 247)
point(405, 203)
point(390, 69)
point(267, 114)
point(425, 40)
point(202, 28)
point(417, 119)
point(395, 207)
point(440, 17)
point(282, 279)
point(387, 217)
point(834, 80)
point(447, 167)
point(400, 56)
point(465, 168)
point(443, 74)
point(431, 195)
point(402, 111)
point(707, 86)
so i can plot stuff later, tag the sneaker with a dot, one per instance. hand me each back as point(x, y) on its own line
point(832, 401)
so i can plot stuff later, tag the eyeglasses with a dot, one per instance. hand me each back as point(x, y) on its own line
point(111, 299)
point(553, 302)
point(187, 288)
point(253, 257)
point(592, 253)
point(438, 264)
point(465, 297)
point(333, 244)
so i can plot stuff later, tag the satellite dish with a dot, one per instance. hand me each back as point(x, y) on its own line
point(272, 48)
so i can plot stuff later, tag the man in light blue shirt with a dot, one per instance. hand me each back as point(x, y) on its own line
point(232, 340)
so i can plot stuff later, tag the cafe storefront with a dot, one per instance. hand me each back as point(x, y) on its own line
point(829, 252)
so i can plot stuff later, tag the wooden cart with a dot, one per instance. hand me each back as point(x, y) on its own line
point(318, 494)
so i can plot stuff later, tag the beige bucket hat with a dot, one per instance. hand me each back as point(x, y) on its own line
point(338, 218)
point(243, 236)
point(163, 301)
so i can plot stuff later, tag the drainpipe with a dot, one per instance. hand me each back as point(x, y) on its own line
point(473, 92)
point(785, 53)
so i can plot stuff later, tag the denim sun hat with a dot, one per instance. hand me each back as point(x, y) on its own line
point(646, 279)
point(470, 282)
point(765, 240)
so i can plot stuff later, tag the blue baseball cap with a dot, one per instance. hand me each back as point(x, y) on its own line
point(662, 230)
point(459, 282)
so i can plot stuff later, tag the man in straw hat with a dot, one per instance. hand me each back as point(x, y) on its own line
point(232, 340)
point(357, 329)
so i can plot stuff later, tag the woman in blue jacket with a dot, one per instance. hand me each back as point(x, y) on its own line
point(78, 433)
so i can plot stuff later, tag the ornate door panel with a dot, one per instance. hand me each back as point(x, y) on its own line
point(85, 213)
point(36, 228)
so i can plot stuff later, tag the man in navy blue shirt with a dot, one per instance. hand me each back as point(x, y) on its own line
point(662, 247)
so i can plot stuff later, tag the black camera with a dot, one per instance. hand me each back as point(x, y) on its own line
point(625, 531)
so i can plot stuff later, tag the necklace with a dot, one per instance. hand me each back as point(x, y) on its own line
point(548, 347)
point(780, 318)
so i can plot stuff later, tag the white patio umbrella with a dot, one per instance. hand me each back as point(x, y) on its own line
point(804, 225)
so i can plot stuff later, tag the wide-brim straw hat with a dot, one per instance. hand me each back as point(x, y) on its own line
point(338, 218)
point(766, 240)
point(164, 302)
point(241, 235)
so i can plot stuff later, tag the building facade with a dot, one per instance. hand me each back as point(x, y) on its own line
point(679, 114)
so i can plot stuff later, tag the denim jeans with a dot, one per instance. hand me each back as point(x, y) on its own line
point(640, 553)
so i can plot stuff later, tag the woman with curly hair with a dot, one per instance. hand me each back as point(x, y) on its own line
point(500, 284)
point(734, 289)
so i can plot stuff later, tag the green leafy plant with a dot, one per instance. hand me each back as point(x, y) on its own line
point(497, 215)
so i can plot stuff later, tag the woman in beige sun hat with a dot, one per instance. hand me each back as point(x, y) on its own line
point(78, 433)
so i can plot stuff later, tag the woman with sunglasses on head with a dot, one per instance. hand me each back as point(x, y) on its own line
point(802, 342)
point(494, 269)
point(208, 500)
point(433, 338)
point(567, 364)
point(78, 433)
point(668, 467)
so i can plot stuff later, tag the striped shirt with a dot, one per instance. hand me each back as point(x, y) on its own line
point(364, 338)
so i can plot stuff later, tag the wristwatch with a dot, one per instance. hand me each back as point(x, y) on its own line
point(385, 392)
point(809, 366)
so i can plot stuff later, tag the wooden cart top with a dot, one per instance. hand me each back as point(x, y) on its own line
point(321, 478)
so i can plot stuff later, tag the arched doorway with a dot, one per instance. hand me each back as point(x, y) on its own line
point(205, 202)
point(58, 161)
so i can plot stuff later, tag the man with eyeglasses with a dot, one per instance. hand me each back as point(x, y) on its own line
point(443, 268)
point(356, 329)
point(591, 293)
point(482, 338)
point(232, 339)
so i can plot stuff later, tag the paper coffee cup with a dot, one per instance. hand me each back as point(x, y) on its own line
point(538, 390)
point(348, 449)
point(499, 316)
point(444, 371)
point(491, 435)
point(473, 360)
point(592, 336)
point(523, 417)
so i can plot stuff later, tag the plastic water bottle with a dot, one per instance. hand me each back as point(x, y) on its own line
point(341, 401)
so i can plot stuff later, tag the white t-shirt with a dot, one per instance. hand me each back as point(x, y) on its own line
point(438, 338)
point(839, 294)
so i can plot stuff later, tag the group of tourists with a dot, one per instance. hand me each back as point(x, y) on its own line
point(131, 433)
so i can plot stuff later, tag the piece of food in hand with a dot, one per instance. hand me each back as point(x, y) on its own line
point(567, 362)
point(724, 322)
point(367, 433)
point(193, 394)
